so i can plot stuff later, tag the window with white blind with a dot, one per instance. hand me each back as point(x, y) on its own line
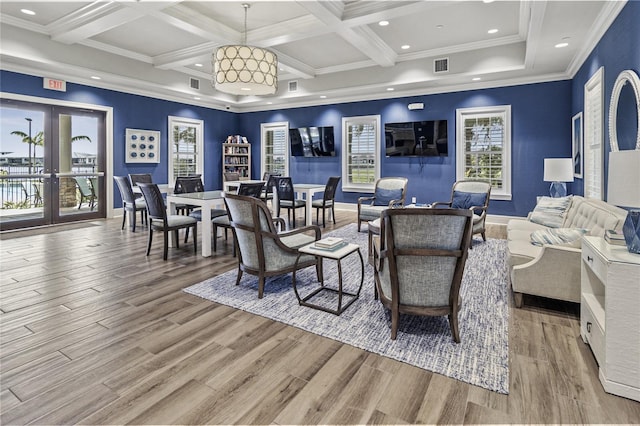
point(593, 136)
point(360, 153)
point(186, 144)
point(483, 147)
point(274, 148)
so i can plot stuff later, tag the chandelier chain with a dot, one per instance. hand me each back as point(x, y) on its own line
point(244, 35)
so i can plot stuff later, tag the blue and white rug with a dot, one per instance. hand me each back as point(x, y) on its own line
point(482, 357)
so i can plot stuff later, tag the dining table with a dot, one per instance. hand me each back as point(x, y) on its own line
point(307, 190)
point(207, 201)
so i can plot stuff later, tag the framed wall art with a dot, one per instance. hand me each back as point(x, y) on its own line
point(576, 137)
point(142, 146)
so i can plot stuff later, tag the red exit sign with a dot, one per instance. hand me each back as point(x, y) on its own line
point(51, 84)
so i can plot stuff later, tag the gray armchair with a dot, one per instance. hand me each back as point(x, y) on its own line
point(419, 260)
point(389, 192)
point(262, 251)
point(473, 195)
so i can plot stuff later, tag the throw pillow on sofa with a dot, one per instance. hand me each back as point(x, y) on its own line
point(571, 237)
point(385, 196)
point(550, 211)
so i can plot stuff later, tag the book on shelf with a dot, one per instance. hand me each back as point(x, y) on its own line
point(334, 247)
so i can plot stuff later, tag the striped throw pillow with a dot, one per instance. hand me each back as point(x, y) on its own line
point(571, 237)
point(550, 211)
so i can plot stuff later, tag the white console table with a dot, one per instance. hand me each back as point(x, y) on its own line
point(610, 314)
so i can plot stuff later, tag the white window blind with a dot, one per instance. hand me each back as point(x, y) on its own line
point(275, 148)
point(185, 147)
point(360, 153)
point(593, 136)
point(483, 147)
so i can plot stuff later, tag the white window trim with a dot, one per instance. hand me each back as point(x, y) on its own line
point(264, 128)
point(461, 114)
point(593, 151)
point(187, 122)
point(346, 122)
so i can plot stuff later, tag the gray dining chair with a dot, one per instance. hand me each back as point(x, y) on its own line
point(130, 203)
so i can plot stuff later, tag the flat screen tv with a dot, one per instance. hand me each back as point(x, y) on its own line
point(416, 139)
point(312, 142)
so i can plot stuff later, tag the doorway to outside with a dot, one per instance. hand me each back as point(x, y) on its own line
point(52, 164)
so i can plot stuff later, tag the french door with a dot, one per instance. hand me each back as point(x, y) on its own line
point(52, 163)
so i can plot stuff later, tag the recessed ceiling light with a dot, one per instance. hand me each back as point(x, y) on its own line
point(323, 96)
point(269, 103)
point(198, 65)
point(27, 11)
point(245, 89)
point(405, 47)
point(559, 45)
point(493, 31)
point(488, 1)
point(390, 89)
point(383, 23)
point(440, 26)
point(95, 77)
point(196, 98)
point(476, 79)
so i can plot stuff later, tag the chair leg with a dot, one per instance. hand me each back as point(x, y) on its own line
point(195, 238)
point(333, 214)
point(239, 275)
point(261, 286)
point(149, 241)
point(215, 237)
point(124, 218)
point(166, 244)
point(323, 216)
point(395, 319)
point(133, 215)
point(186, 235)
point(484, 237)
point(453, 323)
point(177, 238)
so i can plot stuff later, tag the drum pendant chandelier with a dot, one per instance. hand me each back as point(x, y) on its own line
point(245, 70)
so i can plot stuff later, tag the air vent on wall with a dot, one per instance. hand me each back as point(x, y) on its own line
point(194, 83)
point(441, 65)
point(293, 86)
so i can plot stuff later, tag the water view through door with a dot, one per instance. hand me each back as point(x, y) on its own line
point(51, 164)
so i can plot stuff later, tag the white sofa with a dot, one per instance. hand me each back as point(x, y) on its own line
point(554, 270)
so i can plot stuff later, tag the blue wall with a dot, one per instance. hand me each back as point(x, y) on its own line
point(541, 124)
point(617, 50)
point(541, 127)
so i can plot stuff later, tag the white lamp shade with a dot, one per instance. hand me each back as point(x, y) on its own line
point(245, 70)
point(623, 185)
point(558, 170)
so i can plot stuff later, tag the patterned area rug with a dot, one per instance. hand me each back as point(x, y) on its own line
point(482, 358)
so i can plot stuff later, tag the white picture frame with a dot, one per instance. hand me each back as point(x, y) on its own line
point(142, 146)
point(577, 144)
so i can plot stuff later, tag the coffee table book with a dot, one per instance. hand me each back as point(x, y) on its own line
point(329, 242)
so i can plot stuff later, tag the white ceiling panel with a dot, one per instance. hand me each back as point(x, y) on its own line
point(334, 48)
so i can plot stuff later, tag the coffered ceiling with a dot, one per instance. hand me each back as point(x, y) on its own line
point(331, 51)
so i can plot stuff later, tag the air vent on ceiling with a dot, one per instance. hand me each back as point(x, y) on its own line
point(194, 83)
point(441, 65)
point(293, 86)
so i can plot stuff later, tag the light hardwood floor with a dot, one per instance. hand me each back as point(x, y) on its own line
point(95, 332)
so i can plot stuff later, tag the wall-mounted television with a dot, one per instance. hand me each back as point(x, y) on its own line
point(416, 139)
point(312, 142)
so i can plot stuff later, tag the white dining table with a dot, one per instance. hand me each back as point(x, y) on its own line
point(306, 189)
point(207, 201)
point(232, 185)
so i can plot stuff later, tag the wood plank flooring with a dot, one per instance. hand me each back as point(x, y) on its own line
point(95, 332)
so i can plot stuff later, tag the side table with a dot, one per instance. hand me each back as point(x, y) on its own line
point(337, 255)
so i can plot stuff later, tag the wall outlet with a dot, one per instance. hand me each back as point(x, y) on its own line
point(413, 200)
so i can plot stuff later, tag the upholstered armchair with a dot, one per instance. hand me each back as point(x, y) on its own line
point(262, 251)
point(473, 195)
point(419, 262)
point(389, 192)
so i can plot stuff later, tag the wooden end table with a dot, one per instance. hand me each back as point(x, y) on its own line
point(337, 255)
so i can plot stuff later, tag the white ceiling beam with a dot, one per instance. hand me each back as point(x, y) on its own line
point(536, 22)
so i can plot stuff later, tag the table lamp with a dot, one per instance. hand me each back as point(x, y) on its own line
point(624, 190)
point(558, 171)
